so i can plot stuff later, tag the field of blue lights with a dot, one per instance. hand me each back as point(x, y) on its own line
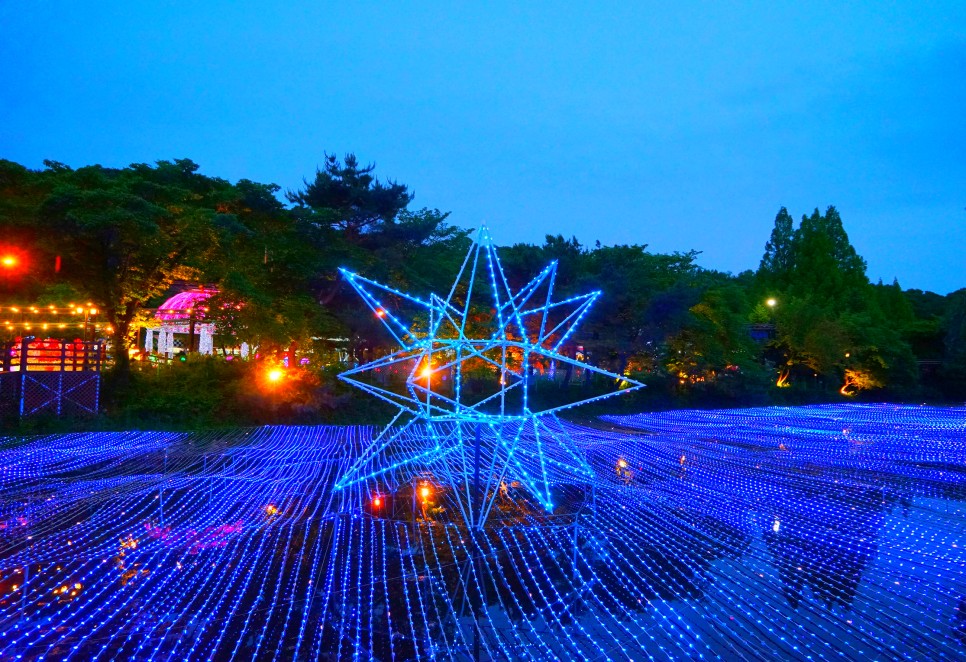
point(826, 532)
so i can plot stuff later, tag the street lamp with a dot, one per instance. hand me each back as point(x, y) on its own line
point(771, 302)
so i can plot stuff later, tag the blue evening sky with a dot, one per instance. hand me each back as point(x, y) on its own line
point(679, 125)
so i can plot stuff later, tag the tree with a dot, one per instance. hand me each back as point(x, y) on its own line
point(21, 193)
point(779, 258)
point(713, 342)
point(827, 268)
point(954, 357)
point(831, 320)
point(346, 217)
point(266, 273)
point(126, 235)
point(348, 198)
point(858, 380)
point(892, 304)
point(807, 336)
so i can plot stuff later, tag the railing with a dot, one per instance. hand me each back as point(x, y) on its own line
point(52, 355)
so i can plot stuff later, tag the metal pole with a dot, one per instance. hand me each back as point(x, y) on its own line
point(477, 551)
point(164, 471)
point(477, 510)
point(412, 537)
point(24, 360)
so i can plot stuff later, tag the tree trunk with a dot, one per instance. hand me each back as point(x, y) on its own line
point(121, 372)
point(121, 343)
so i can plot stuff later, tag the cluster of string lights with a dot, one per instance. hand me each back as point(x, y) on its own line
point(18, 319)
point(830, 532)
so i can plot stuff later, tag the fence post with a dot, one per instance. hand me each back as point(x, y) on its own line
point(24, 348)
point(23, 373)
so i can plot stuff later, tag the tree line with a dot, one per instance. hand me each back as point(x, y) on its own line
point(806, 321)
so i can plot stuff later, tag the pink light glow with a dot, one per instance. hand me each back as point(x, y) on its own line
point(176, 308)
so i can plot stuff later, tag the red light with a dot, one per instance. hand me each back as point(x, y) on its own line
point(13, 261)
point(380, 313)
point(377, 502)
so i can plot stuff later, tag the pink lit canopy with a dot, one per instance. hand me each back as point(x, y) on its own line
point(176, 308)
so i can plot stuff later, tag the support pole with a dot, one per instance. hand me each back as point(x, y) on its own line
point(477, 550)
point(164, 472)
point(477, 509)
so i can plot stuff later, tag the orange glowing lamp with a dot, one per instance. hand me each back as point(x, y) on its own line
point(377, 502)
point(424, 492)
point(274, 375)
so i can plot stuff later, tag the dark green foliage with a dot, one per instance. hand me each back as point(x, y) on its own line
point(826, 266)
point(954, 355)
point(348, 198)
point(831, 323)
point(926, 305)
point(779, 258)
point(125, 236)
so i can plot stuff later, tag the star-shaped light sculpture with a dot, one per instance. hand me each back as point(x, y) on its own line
point(449, 423)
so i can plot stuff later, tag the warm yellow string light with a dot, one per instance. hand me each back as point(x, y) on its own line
point(54, 310)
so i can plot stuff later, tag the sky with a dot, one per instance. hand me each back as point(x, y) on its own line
point(677, 125)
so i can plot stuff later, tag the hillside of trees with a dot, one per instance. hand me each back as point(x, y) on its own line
point(806, 326)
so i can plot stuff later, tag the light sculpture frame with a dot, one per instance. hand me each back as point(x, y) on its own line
point(499, 438)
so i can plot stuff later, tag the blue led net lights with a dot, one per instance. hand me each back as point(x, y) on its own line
point(444, 425)
point(824, 532)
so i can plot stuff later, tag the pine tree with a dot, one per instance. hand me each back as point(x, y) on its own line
point(778, 260)
point(827, 268)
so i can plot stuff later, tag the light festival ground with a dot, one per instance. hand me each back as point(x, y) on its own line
point(827, 532)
